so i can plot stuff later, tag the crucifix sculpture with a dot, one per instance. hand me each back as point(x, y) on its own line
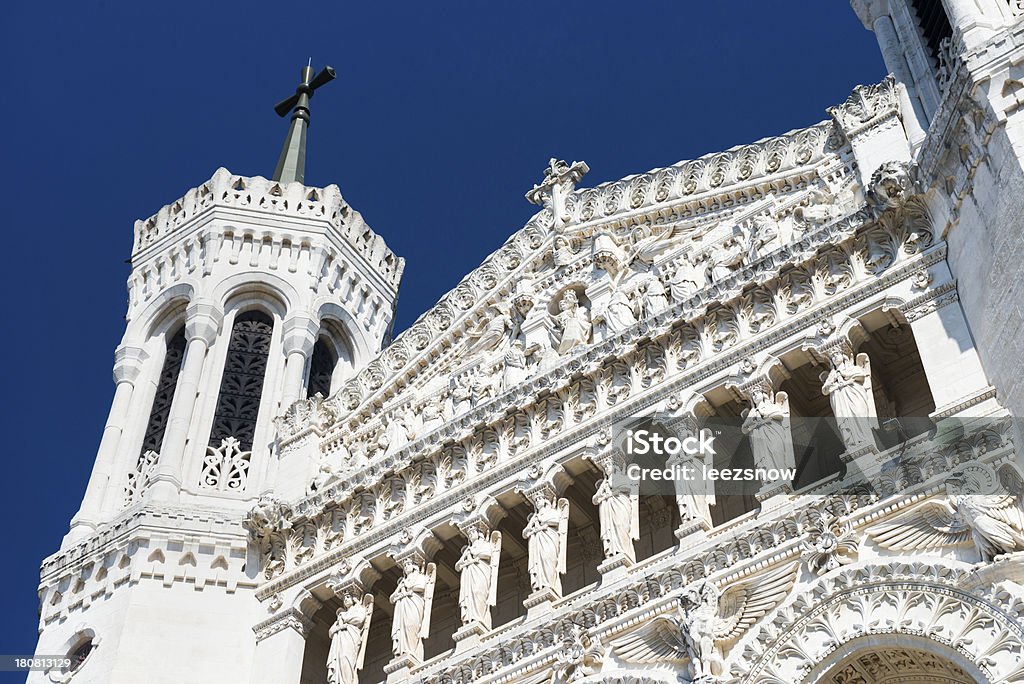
point(291, 166)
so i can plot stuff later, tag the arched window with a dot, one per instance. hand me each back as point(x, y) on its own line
point(934, 22)
point(145, 464)
point(241, 385)
point(164, 393)
point(321, 369)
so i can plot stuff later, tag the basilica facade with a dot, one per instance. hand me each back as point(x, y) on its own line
point(285, 494)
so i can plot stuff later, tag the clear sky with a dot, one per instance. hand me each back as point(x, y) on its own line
point(443, 115)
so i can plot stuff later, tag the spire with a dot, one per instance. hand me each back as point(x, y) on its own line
point(291, 166)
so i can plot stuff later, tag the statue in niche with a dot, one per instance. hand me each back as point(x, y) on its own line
point(546, 532)
point(653, 297)
point(620, 311)
point(514, 369)
point(848, 387)
point(694, 496)
point(348, 636)
point(573, 322)
point(410, 623)
point(478, 583)
point(620, 518)
point(767, 424)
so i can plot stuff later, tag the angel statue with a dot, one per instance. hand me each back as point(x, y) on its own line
point(993, 522)
point(573, 321)
point(619, 515)
point(707, 621)
point(478, 584)
point(493, 333)
point(848, 387)
point(545, 532)
point(410, 622)
point(348, 639)
point(767, 423)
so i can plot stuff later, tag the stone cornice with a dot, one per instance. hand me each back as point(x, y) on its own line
point(261, 196)
point(178, 521)
point(711, 183)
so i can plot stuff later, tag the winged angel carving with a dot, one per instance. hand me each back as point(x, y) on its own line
point(706, 622)
point(993, 522)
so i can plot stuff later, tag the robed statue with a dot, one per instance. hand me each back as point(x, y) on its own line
point(412, 598)
point(348, 636)
point(848, 387)
point(620, 518)
point(546, 532)
point(767, 424)
point(478, 583)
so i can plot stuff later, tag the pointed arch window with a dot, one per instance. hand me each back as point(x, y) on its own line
point(241, 385)
point(321, 369)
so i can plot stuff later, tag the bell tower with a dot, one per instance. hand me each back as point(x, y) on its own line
point(246, 294)
point(960, 64)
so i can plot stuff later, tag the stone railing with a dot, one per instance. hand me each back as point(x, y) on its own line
point(293, 200)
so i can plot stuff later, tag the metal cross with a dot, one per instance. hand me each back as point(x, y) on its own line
point(291, 166)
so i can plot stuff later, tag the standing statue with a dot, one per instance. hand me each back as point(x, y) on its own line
point(478, 584)
point(694, 496)
point(620, 311)
point(620, 518)
point(573, 321)
point(767, 424)
point(514, 370)
point(546, 533)
point(410, 622)
point(848, 387)
point(461, 396)
point(348, 639)
point(655, 297)
point(430, 416)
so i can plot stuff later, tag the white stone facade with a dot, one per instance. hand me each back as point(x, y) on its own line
point(284, 494)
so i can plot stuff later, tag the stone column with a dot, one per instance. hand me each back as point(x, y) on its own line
point(300, 333)
point(280, 646)
point(128, 362)
point(202, 324)
point(892, 52)
point(948, 354)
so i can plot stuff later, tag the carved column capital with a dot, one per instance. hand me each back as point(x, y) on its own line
point(203, 321)
point(128, 362)
point(300, 333)
point(292, 618)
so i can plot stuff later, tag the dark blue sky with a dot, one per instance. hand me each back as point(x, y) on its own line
point(443, 115)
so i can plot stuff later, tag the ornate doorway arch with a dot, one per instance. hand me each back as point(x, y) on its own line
point(896, 659)
point(929, 606)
